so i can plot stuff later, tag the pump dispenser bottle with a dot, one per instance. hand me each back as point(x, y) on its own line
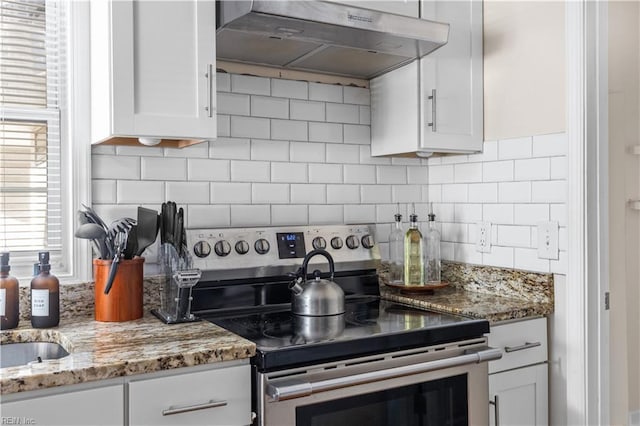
point(9, 296)
point(413, 254)
point(396, 252)
point(432, 264)
point(45, 295)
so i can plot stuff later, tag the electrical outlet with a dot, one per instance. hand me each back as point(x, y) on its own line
point(483, 235)
point(548, 240)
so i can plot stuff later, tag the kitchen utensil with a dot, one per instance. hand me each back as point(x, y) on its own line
point(309, 329)
point(318, 296)
point(122, 228)
point(94, 232)
point(132, 243)
point(95, 218)
point(178, 231)
point(147, 229)
point(169, 225)
point(162, 224)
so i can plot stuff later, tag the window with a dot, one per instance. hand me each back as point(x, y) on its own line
point(32, 99)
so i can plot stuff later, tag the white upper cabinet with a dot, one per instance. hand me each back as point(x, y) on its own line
point(442, 91)
point(399, 7)
point(153, 70)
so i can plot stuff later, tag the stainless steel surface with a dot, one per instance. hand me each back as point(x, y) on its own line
point(527, 345)
point(188, 408)
point(433, 110)
point(295, 388)
point(309, 329)
point(318, 296)
point(209, 76)
point(496, 410)
point(321, 36)
point(14, 354)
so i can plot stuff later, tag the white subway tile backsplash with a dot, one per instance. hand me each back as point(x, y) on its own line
point(269, 193)
point(138, 192)
point(154, 168)
point(406, 161)
point(307, 110)
point(466, 253)
point(251, 85)
point(325, 132)
point(250, 171)
point(563, 239)
point(417, 175)
point(326, 214)
point(391, 174)
point(509, 149)
point(289, 172)
point(501, 257)
point(406, 194)
point(230, 148)
point(447, 251)
point(550, 145)
point(268, 150)
point(455, 193)
point(558, 212)
point(440, 174)
point(532, 169)
point(454, 159)
point(289, 130)
point(141, 150)
point(250, 215)
point(343, 194)
point(497, 171)
point(262, 106)
point(207, 216)
point(223, 82)
point(325, 92)
point(346, 154)
point(111, 212)
point(559, 266)
point(454, 232)
point(558, 167)
point(106, 150)
point(432, 193)
point(381, 232)
point(445, 212)
point(200, 150)
point(501, 214)
point(356, 95)
point(467, 173)
point(363, 213)
point(306, 152)
point(483, 193)
point(514, 192)
point(250, 127)
point(553, 191)
point(289, 89)
point(489, 153)
point(343, 113)
point(365, 115)
point(103, 191)
point(467, 213)
point(527, 259)
point(308, 194)
point(233, 104)
point(325, 173)
point(530, 214)
point(375, 194)
point(115, 167)
point(356, 173)
point(230, 193)
point(387, 212)
point(514, 236)
point(366, 158)
point(224, 125)
point(188, 192)
point(357, 134)
point(289, 215)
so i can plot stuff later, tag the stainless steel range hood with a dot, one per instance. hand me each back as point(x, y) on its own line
point(323, 37)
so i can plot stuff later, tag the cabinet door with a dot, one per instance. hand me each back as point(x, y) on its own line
point(519, 397)
point(163, 68)
point(102, 406)
point(399, 7)
point(451, 80)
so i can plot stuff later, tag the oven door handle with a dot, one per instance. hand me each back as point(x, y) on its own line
point(295, 388)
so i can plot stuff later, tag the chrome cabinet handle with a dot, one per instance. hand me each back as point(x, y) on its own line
point(527, 345)
point(433, 110)
point(294, 388)
point(209, 75)
point(187, 408)
point(496, 410)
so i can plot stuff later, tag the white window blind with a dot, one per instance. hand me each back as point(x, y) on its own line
point(32, 61)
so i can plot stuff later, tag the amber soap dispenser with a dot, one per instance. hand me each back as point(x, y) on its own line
point(9, 296)
point(45, 295)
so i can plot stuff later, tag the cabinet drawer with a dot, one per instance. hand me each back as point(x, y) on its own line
point(522, 343)
point(214, 397)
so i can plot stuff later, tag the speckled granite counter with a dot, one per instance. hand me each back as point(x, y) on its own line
point(100, 350)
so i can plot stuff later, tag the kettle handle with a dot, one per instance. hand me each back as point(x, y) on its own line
point(314, 253)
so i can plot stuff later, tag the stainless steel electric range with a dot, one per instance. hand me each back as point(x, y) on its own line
point(379, 363)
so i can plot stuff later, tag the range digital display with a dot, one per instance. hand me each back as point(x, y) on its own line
point(290, 245)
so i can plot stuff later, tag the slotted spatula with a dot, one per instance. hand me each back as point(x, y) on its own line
point(147, 228)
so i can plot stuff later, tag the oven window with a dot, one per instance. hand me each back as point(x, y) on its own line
point(440, 402)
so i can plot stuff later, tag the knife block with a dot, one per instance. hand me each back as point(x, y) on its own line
point(124, 301)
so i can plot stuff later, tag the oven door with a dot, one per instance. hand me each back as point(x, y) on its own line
point(447, 386)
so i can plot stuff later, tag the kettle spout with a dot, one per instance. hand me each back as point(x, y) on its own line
point(295, 286)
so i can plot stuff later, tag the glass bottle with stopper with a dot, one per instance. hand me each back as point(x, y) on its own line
point(433, 265)
point(413, 253)
point(396, 251)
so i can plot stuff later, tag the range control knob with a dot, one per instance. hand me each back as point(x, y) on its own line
point(242, 247)
point(202, 249)
point(367, 241)
point(262, 246)
point(319, 243)
point(222, 248)
point(352, 242)
point(336, 243)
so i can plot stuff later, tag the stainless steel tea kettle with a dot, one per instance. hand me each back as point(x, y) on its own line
point(318, 296)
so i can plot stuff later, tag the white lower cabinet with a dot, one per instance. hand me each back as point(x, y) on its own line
point(214, 397)
point(519, 382)
point(99, 406)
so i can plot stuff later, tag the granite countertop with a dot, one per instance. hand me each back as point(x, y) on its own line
point(104, 350)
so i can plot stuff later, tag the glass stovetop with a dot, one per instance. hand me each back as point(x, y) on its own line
point(369, 325)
